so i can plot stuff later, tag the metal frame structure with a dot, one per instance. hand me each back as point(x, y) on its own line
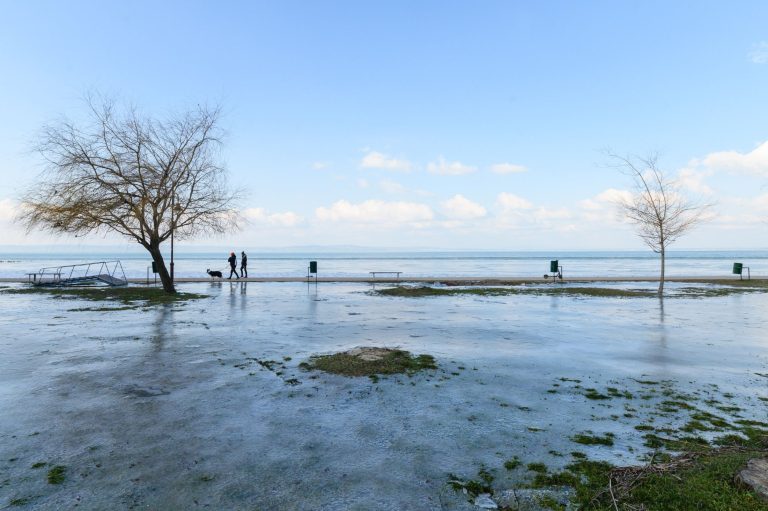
point(740, 273)
point(556, 270)
point(99, 271)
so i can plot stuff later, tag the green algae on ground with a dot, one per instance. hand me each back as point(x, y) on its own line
point(370, 362)
point(129, 295)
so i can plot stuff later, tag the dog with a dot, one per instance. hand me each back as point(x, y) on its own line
point(214, 274)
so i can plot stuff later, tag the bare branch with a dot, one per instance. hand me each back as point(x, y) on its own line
point(123, 172)
point(661, 214)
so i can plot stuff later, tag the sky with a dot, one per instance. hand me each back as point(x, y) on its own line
point(417, 124)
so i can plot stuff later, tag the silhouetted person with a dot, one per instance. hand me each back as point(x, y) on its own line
point(243, 265)
point(232, 265)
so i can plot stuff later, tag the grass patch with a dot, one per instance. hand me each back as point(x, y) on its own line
point(370, 362)
point(57, 474)
point(683, 444)
point(473, 487)
point(512, 464)
point(595, 395)
point(126, 295)
point(692, 481)
point(540, 468)
point(425, 291)
point(590, 439)
point(104, 309)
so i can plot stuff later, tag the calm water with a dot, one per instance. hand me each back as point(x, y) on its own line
point(419, 264)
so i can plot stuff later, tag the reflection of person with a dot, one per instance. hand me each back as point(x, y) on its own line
point(243, 264)
point(232, 265)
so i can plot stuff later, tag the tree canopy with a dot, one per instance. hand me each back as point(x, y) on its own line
point(141, 177)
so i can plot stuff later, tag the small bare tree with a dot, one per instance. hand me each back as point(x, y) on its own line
point(143, 178)
point(661, 214)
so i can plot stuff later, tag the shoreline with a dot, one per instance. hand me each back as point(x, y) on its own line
point(718, 279)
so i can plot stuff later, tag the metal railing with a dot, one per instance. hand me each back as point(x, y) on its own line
point(107, 271)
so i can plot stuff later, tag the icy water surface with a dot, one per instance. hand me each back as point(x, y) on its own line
point(179, 407)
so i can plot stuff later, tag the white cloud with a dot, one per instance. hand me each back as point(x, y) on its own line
point(8, 210)
point(391, 186)
point(603, 208)
point(445, 168)
point(509, 202)
point(461, 208)
point(612, 195)
point(760, 202)
point(693, 180)
point(375, 211)
point(507, 168)
point(362, 183)
point(545, 214)
point(759, 53)
point(376, 160)
point(260, 215)
point(320, 165)
point(753, 162)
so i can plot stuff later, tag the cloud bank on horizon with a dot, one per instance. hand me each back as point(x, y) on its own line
point(505, 219)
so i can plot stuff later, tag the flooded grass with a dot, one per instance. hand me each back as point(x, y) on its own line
point(590, 439)
point(502, 394)
point(695, 289)
point(126, 295)
point(684, 470)
point(555, 290)
point(385, 361)
point(57, 474)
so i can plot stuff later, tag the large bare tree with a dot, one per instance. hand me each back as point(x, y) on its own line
point(661, 214)
point(144, 178)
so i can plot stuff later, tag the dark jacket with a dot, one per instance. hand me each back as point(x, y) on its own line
point(232, 261)
point(243, 260)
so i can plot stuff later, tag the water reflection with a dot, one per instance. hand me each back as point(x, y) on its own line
point(162, 327)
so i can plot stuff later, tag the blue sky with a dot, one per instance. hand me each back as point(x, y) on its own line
point(419, 124)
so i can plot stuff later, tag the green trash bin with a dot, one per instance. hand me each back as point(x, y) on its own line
point(737, 268)
point(554, 266)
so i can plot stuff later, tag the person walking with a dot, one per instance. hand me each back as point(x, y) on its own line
point(232, 265)
point(243, 265)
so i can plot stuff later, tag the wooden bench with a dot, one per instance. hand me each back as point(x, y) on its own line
point(396, 273)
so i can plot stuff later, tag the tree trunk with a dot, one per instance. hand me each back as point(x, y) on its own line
point(661, 277)
point(165, 277)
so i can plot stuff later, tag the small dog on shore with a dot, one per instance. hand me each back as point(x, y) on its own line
point(214, 274)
